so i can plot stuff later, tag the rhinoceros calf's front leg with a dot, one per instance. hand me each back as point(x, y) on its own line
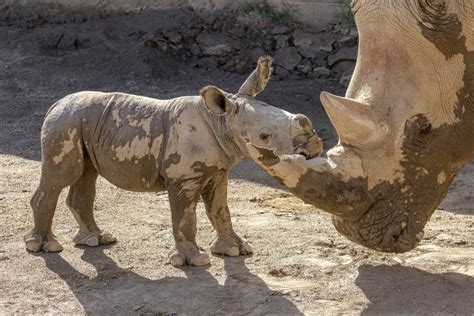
point(214, 195)
point(183, 196)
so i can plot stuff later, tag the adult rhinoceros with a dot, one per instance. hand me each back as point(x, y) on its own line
point(405, 127)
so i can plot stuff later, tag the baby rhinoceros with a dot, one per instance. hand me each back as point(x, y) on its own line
point(184, 145)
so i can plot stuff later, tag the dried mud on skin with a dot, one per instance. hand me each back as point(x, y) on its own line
point(300, 266)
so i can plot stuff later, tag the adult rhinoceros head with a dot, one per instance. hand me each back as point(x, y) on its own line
point(405, 127)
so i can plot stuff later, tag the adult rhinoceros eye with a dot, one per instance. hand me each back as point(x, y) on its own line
point(264, 134)
point(425, 128)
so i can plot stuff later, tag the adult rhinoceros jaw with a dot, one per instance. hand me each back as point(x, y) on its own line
point(356, 122)
point(335, 184)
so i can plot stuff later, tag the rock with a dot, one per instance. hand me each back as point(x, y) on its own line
point(281, 41)
point(303, 39)
point(347, 41)
point(156, 40)
point(320, 72)
point(214, 44)
point(236, 30)
point(222, 60)
point(311, 47)
point(281, 72)
point(136, 308)
point(343, 54)
point(343, 66)
point(295, 76)
point(256, 53)
point(268, 44)
point(218, 50)
point(326, 47)
point(354, 32)
point(174, 37)
point(207, 63)
point(345, 79)
point(195, 50)
point(67, 41)
point(287, 58)
point(281, 29)
point(278, 272)
point(342, 28)
point(229, 66)
point(305, 67)
point(241, 63)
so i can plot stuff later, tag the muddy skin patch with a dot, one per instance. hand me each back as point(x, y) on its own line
point(173, 159)
point(201, 167)
point(427, 152)
point(331, 193)
point(268, 157)
point(304, 122)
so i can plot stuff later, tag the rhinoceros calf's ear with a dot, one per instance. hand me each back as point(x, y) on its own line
point(258, 79)
point(216, 101)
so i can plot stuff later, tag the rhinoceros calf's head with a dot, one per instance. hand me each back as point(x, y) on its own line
point(253, 121)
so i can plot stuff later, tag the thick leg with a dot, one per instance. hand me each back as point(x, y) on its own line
point(80, 201)
point(214, 195)
point(62, 163)
point(183, 196)
point(43, 204)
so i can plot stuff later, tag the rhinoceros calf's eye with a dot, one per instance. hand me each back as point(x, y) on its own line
point(264, 137)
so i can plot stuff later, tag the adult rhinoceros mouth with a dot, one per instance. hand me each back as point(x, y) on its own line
point(389, 232)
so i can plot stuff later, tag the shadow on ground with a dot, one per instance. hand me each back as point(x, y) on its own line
point(116, 290)
point(408, 290)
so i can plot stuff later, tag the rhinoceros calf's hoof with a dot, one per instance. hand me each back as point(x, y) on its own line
point(231, 247)
point(94, 239)
point(107, 238)
point(200, 259)
point(177, 260)
point(246, 248)
point(51, 246)
point(35, 242)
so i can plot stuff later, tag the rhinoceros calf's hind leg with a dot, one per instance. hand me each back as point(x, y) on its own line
point(80, 201)
point(43, 204)
point(54, 177)
point(214, 195)
point(183, 196)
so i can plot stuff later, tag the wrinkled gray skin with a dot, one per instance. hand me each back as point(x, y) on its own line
point(184, 145)
point(405, 126)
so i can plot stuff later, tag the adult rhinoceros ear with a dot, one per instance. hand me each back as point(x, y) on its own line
point(258, 79)
point(216, 101)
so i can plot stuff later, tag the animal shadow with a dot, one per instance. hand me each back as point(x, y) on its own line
point(406, 290)
point(116, 290)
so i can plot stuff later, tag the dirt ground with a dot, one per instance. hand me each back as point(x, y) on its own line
point(301, 264)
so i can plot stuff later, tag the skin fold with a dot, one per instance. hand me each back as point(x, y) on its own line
point(184, 145)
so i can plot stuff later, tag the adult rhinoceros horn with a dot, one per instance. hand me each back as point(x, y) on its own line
point(355, 122)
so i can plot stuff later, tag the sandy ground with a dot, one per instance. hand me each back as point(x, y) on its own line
point(301, 264)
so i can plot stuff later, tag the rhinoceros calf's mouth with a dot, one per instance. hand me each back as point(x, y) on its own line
point(303, 152)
